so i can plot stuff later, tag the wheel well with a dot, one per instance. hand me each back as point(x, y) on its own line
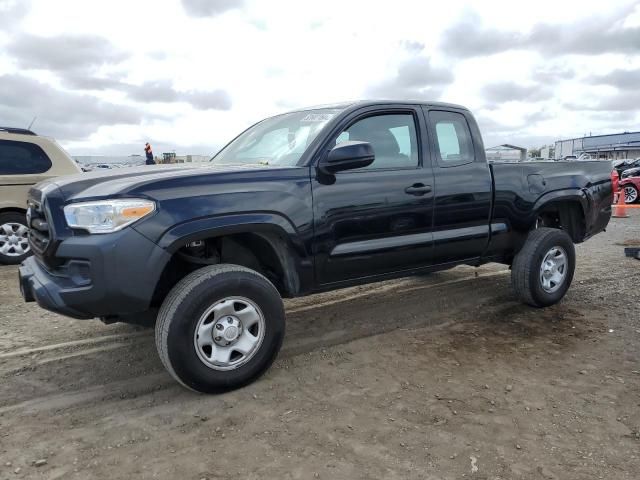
point(265, 253)
point(565, 215)
point(13, 210)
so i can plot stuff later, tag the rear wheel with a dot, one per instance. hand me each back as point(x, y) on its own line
point(630, 194)
point(543, 269)
point(220, 328)
point(14, 238)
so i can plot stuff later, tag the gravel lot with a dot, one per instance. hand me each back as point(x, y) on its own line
point(436, 377)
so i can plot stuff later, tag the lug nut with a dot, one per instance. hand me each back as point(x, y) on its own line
point(229, 320)
point(217, 339)
point(219, 326)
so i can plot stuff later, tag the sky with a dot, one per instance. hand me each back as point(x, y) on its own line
point(104, 77)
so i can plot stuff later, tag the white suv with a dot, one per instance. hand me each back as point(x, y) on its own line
point(25, 159)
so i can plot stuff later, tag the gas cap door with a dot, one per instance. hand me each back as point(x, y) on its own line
point(537, 183)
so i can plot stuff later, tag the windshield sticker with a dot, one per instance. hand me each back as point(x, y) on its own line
point(318, 117)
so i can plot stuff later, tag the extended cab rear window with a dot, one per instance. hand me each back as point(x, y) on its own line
point(453, 138)
point(22, 158)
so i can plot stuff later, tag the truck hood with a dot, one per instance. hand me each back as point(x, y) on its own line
point(126, 180)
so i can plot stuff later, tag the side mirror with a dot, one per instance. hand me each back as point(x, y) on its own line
point(347, 156)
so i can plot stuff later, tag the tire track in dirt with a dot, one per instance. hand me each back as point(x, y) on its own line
point(308, 329)
point(87, 344)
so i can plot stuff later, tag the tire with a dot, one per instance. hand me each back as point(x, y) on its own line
point(534, 284)
point(220, 296)
point(630, 193)
point(13, 238)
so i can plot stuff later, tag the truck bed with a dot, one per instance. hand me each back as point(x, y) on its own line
point(519, 188)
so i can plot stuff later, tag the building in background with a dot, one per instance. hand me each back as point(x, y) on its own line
point(548, 152)
point(617, 146)
point(197, 158)
point(93, 162)
point(171, 157)
point(506, 153)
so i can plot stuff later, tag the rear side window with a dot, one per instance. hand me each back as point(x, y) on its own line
point(20, 158)
point(453, 138)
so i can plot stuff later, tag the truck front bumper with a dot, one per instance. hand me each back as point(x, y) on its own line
point(36, 285)
point(96, 276)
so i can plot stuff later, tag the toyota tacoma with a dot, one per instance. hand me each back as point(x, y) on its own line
point(307, 201)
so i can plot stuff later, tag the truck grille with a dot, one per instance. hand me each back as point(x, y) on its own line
point(39, 232)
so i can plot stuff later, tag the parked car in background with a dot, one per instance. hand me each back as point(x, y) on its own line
point(630, 186)
point(25, 159)
point(631, 172)
point(624, 165)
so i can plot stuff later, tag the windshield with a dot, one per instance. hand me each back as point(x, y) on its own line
point(277, 140)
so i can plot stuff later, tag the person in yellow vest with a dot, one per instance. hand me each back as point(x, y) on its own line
point(149, 154)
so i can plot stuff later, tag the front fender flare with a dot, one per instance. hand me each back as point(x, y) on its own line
point(219, 225)
point(285, 240)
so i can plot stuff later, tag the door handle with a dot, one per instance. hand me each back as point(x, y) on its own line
point(418, 189)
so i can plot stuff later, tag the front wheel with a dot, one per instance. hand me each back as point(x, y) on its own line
point(220, 328)
point(543, 269)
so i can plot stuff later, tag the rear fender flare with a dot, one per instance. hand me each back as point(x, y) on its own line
point(572, 196)
point(559, 196)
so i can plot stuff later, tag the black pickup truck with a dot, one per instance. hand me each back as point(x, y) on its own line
point(303, 202)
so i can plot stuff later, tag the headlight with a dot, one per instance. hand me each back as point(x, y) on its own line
point(106, 216)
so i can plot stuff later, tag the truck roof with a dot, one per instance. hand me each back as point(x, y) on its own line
point(367, 103)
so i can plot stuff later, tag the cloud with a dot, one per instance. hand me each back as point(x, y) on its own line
point(592, 36)
point(468, 38)
point(67, 52)
point(416, 78)
point(64, 115)
point(412, 46)
point(209, 100)
point(12, 12)
point(552, 74)
point(537, 116)
point(502, 92)
point(154, 91)
point(622, 79)
point(418, 72)
point(495, 133)
point(209, 8)
point(163, 91)
point(618, 102)
point(86, 82)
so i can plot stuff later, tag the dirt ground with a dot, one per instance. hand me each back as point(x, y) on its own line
point(443, 376)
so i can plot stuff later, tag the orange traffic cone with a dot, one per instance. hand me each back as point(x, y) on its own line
point(620, 209)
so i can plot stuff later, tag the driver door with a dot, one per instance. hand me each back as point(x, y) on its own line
point(376, 220)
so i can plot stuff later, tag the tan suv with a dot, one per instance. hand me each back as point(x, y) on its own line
point(25, 159)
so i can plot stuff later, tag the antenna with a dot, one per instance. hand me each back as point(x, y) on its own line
point(32, 122)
